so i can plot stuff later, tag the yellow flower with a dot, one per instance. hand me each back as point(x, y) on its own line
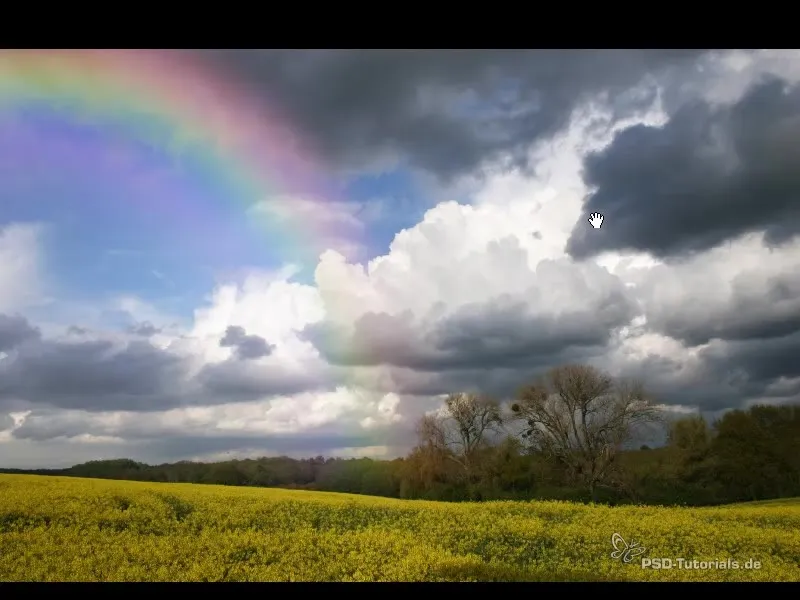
point(69, 529)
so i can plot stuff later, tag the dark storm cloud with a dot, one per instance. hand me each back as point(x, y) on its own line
point(754, 364)
point(502, 333)
point(99, 375)
point(442, 111)
point(737, 372)
point(757, 308)
point(248, 347)
point(722, 375)
point(667, 382)
point(707, 176)
point(14, 330)
point(92, 375)
point(736, 327)
point(500, 382)
point(96, 375)
point(241, 381)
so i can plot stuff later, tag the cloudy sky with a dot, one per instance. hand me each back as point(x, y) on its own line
point(448, 249)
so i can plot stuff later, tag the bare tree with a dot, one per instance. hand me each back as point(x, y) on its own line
point(582, 418)
point(463, 430)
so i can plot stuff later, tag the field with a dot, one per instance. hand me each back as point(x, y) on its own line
point(67, 529)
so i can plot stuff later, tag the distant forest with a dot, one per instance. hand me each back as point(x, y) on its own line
point(575, 426)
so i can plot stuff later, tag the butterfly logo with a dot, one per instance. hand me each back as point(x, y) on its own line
point(627, 552)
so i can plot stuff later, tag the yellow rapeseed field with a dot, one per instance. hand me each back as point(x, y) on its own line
point(67, 529)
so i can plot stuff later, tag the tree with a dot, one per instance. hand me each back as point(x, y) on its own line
point(506, 472)
point(462, 431)
point(757, 452)
point(225, 473)
point(691, 438)
point(582, 418)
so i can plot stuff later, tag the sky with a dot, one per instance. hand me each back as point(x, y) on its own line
point(433, 238)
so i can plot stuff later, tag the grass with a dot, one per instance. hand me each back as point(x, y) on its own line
point(69, 529)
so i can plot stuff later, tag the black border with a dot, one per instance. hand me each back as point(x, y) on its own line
point(408, 25)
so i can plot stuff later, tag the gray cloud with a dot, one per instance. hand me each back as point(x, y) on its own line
point(498, 381)
point(14, 331)
point(161, 440)
point(145, 329)
point(94, 374)
point(241, 381)
point(707, 176)
point(6, 422)
point(566, 313)
point(248, 347)
point(669, 382)
point(155, 450)
point(755, 364)
point(506, 332)
point(445, 112)
point(757, 308)
point(723, 374)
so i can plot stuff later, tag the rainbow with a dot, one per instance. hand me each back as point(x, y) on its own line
point(186, 107)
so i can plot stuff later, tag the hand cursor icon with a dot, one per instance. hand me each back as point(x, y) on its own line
point(596, 220)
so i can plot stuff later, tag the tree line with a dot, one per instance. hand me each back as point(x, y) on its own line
point(572, 434)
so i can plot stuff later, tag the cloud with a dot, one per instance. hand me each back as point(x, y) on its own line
point(715, 377)
point(445, 112)
point(14, 331)
point(741, 291)
point(475, 296)
point(559, 305)
point(145, 329)
point(99, 372)
point(32, 451)
point(710, 174)
point(478, 295)
point(21, 284)
point(93, 373)
point(307, 424)
point(235, 380)
point(247, 347)
point(757, 364)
